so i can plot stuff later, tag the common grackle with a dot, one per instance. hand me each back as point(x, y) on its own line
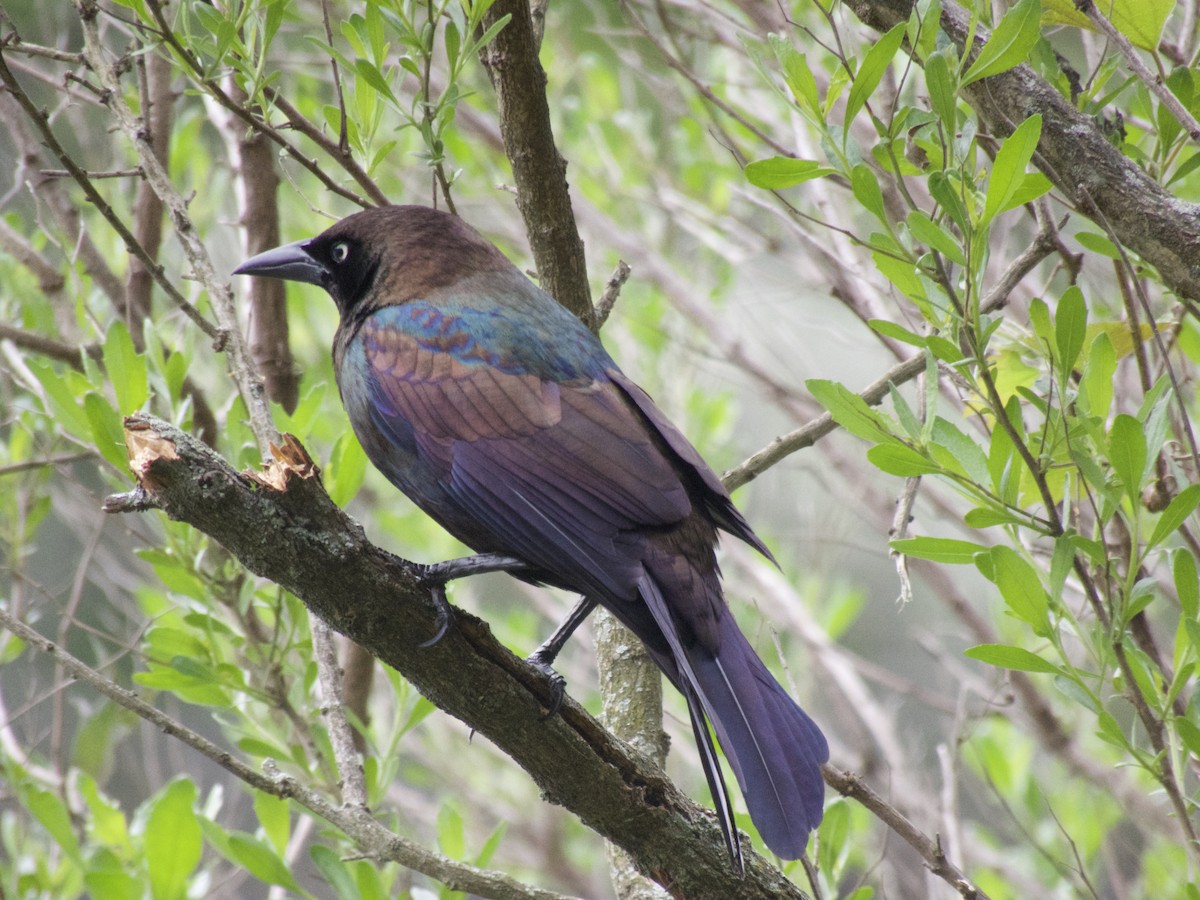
point(501, 415)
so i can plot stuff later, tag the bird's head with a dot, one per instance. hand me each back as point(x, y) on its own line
point(383, 256)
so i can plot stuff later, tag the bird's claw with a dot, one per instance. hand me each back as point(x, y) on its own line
point(445, 613)
point(435, 575)
point(558, 684)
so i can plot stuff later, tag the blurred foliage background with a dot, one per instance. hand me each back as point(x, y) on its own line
point(804, 208)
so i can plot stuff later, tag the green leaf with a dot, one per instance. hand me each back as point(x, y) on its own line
point(945, 191)
point(1070, 328)
point(1181, 506)
point(1096, 391)
point(126, 369)
point(780, 172)
point(933, 235)
point(1139, 20)
point(335, 872)
point(896, 332)
point(1187, 585)
point(797, 75)
point(1019, 586)
point(869, 74)
point(1032, 186)
point(1189, 734)
point(369, 73)
point(49, 809)
point(1010, 43)
point(1008, 657)
point(924, 24)
point(107, 431)
point(1008, 170)
point(108, 877)
point(941, 550)
point(865, 186)
point(901, 273)
point(850, 410)
point(451, 838)
point(275, 818)
point(347, 469)
point(987, 516)
point(172, 840)
point(940, 70)
point(62, 390)
point(901, 460)
point(1127, 453)
point(958, 452)
point(261, 861)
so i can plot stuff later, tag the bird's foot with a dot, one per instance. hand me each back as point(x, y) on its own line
point(541, 660)
point(440, 573)
point(436, 575)
point(445, 614)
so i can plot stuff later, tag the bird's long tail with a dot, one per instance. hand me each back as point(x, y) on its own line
point(773, 747)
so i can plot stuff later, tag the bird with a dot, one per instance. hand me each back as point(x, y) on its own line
point(500, 414)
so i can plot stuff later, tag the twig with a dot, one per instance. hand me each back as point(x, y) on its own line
point(812, 431)
point(341, 736)
point(612, 290)
point(31, 464)
point(851, 785)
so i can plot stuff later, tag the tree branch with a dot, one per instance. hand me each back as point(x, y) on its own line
point(1073, 153)
point(282, 526)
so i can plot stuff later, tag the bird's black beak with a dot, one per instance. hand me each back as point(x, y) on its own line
point(291, 262)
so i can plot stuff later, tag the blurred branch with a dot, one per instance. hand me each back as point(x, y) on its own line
point(372, 838)
point(258, 182)
point(155, 89)
point(40, 120)
point(538, 169)
point(283, 527)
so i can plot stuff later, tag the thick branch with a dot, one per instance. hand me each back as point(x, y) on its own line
point(282, 526)
point(1073, 153)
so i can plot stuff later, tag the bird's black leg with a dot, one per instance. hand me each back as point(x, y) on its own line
point(543, 657)
point(437, 574)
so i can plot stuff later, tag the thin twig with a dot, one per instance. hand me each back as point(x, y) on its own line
point(341, 735)
point(812, 431)
point(851, 785)
point(369, 835)
point(1152, 82)
point(241, 366)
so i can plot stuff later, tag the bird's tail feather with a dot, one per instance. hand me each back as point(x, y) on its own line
point(773, 747)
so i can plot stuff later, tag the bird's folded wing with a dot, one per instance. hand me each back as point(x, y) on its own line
point(567, 472)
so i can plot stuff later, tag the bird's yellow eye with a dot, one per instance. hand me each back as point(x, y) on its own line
point(339, 252)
